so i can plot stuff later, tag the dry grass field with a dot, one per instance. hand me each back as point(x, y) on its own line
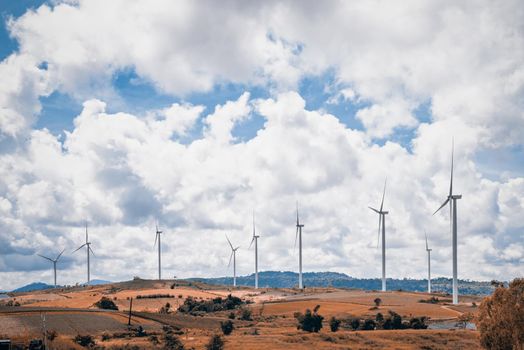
point(70, 312)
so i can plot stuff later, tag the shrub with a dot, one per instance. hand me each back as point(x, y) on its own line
point(379, 317)
point(231, 316)
point(377, 302)
point(106, 304)
point(105, 336)
point(51, 335)
point(166, 309)
point(227, 327)
point(500, 318)
point(334, 324)
point(215, 343)
point(464, 319)
point(171, 341)
point(354, 323)
point(85, 340)
point(368, 325)
point(245, 314)
point(418, 323)
point(432, 300)
point(192, 305)
point(310, 321)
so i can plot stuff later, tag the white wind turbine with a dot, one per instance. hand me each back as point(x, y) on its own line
point(428, 250)
point(299, 236)
point(452, 199)
point(54, 261)
point(157, 237)
point(382, 223)
point(87, 244)
point(255, 239)
point(234, 257)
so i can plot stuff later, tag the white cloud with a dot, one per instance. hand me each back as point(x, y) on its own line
point(121, 172)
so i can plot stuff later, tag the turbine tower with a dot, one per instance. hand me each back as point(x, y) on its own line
point(234, 257)
point(452, 199)
point(382, 223)
point(54, 261)
point(255, 239)
point(299, 236)
point(429, 262)
point(87, 244)
point(157, 237)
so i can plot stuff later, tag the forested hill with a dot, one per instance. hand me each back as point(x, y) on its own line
point(287, 279)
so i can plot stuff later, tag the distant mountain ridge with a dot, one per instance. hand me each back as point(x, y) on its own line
point(42, 286)
point(288, 279)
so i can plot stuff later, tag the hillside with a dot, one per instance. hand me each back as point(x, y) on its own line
point(287, 279)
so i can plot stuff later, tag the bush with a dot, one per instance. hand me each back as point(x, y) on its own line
point(432, 300)
point(334, 324)
point(85, 340)
point(354, 323)
point(215, 343)
point(192, 305)
point(231, 316)
point(418, 323)
point(368, 325)
point(171, 341)
point(310, 321)
point(51, 335)
point(379, 318)
point(464, 319)
point(245, 314)
point(377, 302)
point(227, 327)
point(500, 318)
point(106, 304)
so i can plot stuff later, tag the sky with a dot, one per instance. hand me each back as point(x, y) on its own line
point(195, 114)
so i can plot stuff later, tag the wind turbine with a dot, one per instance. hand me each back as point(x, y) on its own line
point(429, 262)
point(452, 199)
point(299, 236)
point(382, 223)
point(54, 261)
point(255, 239)
point(87, 244)
point(234, 257)
point(157, 237)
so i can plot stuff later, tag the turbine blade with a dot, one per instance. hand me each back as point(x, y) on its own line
point(92, 252)
point(425, 233)
point(228, 241)
point(156, 237)
point(59, 255)
point(442, 206)
point(236, 248)
point(230, 257)
point(296, 237)
point(451, 182)
point(77, 249)
point(250, 244)
point(87, 237)
point(45, 257)
point(379, 226)
point(375, 210)
point(383, 194)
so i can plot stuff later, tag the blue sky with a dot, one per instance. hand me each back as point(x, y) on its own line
point(335, 105)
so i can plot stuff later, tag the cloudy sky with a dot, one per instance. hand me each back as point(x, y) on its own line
point(196, 113)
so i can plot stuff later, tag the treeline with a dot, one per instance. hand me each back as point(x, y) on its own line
point(195, 307)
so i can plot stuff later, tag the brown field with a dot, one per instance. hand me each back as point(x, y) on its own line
point(71, 312)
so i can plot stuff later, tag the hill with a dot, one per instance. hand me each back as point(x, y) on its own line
point(33, 286)
point(287, 279)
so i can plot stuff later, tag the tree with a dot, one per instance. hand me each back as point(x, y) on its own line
point(310, 321)
point(215, 343)
point(227, 327)
point(377, 302)
point(334, 324)
point(501, 317)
